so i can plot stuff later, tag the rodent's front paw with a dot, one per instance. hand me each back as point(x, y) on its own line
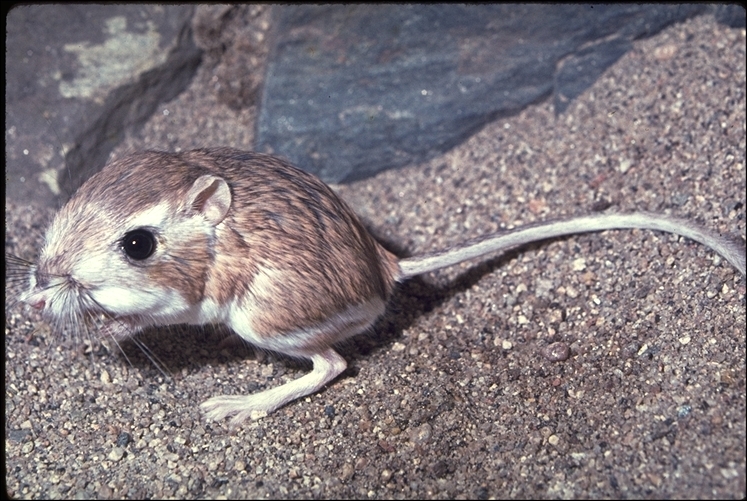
point(241, 407)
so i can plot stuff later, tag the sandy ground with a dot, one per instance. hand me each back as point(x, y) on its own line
point(456, 394)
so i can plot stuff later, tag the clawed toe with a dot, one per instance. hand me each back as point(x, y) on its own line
point(327, 366)
point(240, 407)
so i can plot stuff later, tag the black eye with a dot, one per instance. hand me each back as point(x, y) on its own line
point(139, 244)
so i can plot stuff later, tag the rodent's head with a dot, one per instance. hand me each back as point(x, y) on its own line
point(133, 246)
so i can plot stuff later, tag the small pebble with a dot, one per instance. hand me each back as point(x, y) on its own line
point(347, 472)
point(123, 439)
point(557, 352)
point(116, 454)
point(421, 435)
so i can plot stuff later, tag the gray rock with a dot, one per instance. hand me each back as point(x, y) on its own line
point(77, 77)
point(355, 89)
point(349, 90)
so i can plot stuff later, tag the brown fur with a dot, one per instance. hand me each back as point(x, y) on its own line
point(288, 221)
point(281, 219)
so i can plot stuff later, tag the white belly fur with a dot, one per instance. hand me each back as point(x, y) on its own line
point(306, 341)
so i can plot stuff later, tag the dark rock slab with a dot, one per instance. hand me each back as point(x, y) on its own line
point(344, 95)
point(77, 77)
point(355, 89)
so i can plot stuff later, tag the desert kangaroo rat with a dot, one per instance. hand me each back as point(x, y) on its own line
point(247, 240)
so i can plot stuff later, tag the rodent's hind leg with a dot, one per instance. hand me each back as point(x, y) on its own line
point(327, 366)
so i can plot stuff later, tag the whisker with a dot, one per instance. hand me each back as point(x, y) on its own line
point(17, 270)
point(157, 362)
point(125, 327)
point(121, 350)
point(12, 258)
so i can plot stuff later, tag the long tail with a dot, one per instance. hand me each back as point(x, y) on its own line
point(731, 250)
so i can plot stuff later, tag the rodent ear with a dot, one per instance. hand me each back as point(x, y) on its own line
point(211, 196)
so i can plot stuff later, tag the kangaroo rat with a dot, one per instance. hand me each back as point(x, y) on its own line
point(247, 240)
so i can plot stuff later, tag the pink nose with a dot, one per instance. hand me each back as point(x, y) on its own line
point(38, 304)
